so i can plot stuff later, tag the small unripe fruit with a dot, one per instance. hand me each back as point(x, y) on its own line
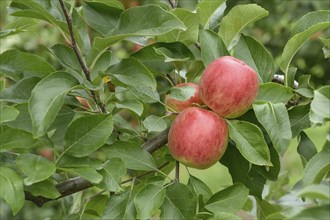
point(229, 86)
point(83, 102)
point(198, 138)
point(179, 105)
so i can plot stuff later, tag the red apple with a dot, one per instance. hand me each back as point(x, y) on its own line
point(178, 105)
point(47, 153)
point(198, 138)
point(229, 86)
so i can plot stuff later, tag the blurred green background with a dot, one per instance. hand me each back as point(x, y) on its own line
point(272, 31)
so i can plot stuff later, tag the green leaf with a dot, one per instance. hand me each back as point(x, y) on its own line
point(242, 172)
point(63, 118)
point(11, 189)
point(153, 195)
point(253, 53)
point(315, 192)
point(130, 72)
point(149, 20)
point(299, 119)
point(304, 87)
point(20, 91)
point(250, 142)
point(320, 106)
point(224, 216)
point(101, 16)
point(8, 113)
point(87, 173)
point(16, 65)
point(313, 213)
point(120, 206)
point(275, 119)
point(188, 36)
point(206, 10)
point(154, 123)
point(132, 154)
point(36, 168)
point(97, 204)
point(45, 188)
point(200, 188)
point(86, 134)
point(67, 161)
point(179, 203)
point(134, 105)
point(317, 167)
point(270, 173)
point(230, 199)
point(274, 93)
point(47, 99)
point(66, 56)
point(212, 46)
point(264, 209)
point(9, 139)
point(145, 94)
point(238, 18)
point(2, 84)
point(304, 28)
point(306, 148)
point(102, 64)
point(182, 93)
point(112, 173)
point(23, 120)
point(154, 55)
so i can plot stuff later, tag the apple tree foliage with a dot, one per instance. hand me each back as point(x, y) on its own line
point(112, 153)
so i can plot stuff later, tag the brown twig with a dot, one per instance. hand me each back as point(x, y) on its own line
point(172, 3)
point(78, 54)
point(177, 171)
point(78, 184)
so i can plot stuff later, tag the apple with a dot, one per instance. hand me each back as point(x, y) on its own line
point(229, 86)
point(198, 138)
point(179, 105)
point(47, 153)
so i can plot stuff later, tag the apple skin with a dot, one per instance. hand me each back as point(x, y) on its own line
point(178, 105)
point(229, 86)
point(198, 138)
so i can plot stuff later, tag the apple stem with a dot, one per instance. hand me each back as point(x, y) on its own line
point(177, 171)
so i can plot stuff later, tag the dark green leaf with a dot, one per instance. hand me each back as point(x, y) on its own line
point(188, 36)
point(63, 118)
point(306, 148)
point(96, 205)
point(264, 209)
point(87, 173)
point(212, 46)
point(36, 168)
point(20, 91)
point(120, 206)
point(238, 18)
point(253, 53)
point(45, 188)
point(179, 203)
point(148, 200)
point(87, 134)
point(270, 173)
point(149, 20)
point(112, 173)
point(9, 139)
point(274, 93)
point(304, 87)
point(275, 119)
point(132, 154)
point(23, 120)
point(16, 65)
point(47, 99)
point(230, 199)
point(145, 94)
point(101, 16)
point(250, 142)
point(8, 113)
point(11, 189)
point(224, 216)
point(240, 171)
point(66, 56)
point(299, 119)
point(154, 123)
point(200, 188)
point(67, 161)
